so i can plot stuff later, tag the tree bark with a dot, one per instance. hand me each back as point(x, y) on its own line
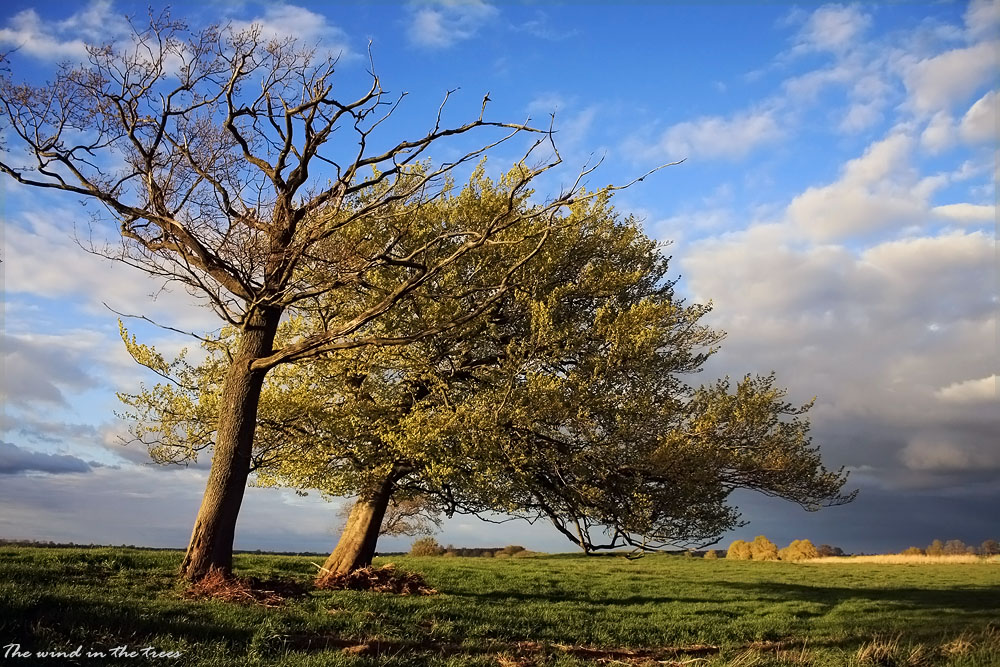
point(211, 546)
point(356, 546)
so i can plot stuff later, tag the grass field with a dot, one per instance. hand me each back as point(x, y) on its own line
point(547, 610)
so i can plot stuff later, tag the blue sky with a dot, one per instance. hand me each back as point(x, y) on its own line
point(836, 204)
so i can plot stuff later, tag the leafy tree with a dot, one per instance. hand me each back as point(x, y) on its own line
point(825, 550)
point(711, 554)
point(799, 550)
point(936, 548)
point(739, 550)
point(763, 549)
point(566, 401)
point(989, 548)
point(225, 163)
point(426, 546)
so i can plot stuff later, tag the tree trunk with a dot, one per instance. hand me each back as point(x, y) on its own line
point(356, 547)
point(211, 546)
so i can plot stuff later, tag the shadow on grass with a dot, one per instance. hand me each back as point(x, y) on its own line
point(969, 599)
point(53, 617)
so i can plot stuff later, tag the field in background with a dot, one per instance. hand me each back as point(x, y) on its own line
point(901, 559)
point(545, 610)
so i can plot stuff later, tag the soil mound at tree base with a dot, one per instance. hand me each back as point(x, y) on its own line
point(386, 579)
point(217, 585)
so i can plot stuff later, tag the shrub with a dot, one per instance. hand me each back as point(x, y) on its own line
point(912, 551)
point(763, 549)
point(826, 550)
point(799, 550)
point(450, 553)
point(523, 553)
point(426, 546)
point(501, 554)
point(486, 554)
point(711, 554)
point(512, 549)
point(936, 548)
point(739, 550)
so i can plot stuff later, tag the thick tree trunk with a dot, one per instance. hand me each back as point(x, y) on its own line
point(356, 547)
point(211, 545)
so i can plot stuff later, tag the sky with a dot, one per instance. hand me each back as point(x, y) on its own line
point(836, 204)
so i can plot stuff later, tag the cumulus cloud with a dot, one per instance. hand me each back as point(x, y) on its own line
point(718, 137)
point(43, 259)
point(982, 18)
point(16, 460)
point(980, 123)
point(875, 191)
point(443, 23)
point(966, 213)
point(939, 133)
point(946, 80)
point(38, 367)
point(281, 21)
point(832, 28)
point(969, 391)
point(874, 332)
point(61, 40)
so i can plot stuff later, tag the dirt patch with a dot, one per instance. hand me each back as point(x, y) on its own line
point(386, 579)
point(217, 585)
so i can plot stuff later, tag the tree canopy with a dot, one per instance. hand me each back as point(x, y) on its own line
point(570, 400)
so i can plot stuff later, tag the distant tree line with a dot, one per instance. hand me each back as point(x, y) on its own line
point(428, 546)
point(955, 548)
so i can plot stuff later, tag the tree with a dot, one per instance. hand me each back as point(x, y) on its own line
point(936, 548)
point(739, 550)
point(798, 550)
point(426, 546)
point(989, 548)
point(566, 401)
point(825, 551)
point(763, 549)
point(954, 547)
point(212, 152)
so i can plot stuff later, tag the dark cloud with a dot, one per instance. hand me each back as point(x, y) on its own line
point(16, 460)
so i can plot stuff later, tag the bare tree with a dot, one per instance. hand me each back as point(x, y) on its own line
point(230, 167)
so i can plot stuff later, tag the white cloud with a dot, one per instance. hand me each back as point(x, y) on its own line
point(281, 21)
point(940, 82)
point(980, 123)
point(61, 40)
point(711, 137)
point(833, 28)
point(42, 259)
point(983, 389)
point(966, 213)
point(446, 22)
point(982, 18)
point(939, 133)
point(875, 191)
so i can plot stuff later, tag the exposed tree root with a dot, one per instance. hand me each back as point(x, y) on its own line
point(217, 585)
point(386, 579)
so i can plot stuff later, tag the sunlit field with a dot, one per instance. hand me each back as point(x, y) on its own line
point(543, 610)
point(915, 559)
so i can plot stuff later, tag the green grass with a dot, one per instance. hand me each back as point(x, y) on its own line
point(551, 610)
